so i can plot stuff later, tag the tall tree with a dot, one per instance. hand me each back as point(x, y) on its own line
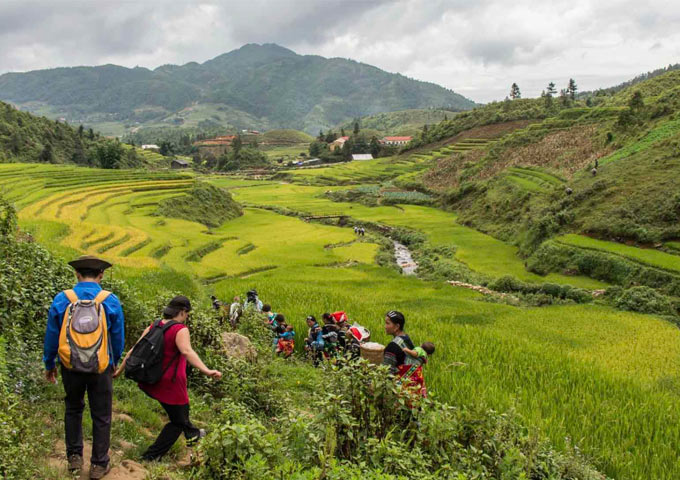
point(342, 132)
point(236, 145)
point(572, 89)
point(551, 90)
point(374, 147)
point(356, 127)
point(514, 91)
point(46, 156)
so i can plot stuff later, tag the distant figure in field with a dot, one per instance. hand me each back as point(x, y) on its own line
point(568, 191)
point(594, 171)
point(597, 163)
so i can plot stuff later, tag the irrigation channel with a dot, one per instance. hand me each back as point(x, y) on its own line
point(404, 259)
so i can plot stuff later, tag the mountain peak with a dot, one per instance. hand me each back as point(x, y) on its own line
point(252, 54)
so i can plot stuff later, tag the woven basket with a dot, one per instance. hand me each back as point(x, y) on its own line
point(373, 352)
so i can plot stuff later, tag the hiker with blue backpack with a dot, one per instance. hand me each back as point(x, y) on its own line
point(86, 330)
point(158, 362)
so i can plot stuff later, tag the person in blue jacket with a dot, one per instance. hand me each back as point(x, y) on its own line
point(99, 386)
point(314, 342)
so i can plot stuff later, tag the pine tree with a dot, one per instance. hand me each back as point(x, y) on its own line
point(571, 89)
point(514, 92)
point(321, 136)
point(551, 90)
point(356, 127)
point(342, 132)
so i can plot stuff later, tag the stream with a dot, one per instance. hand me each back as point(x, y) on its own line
point(404, 259)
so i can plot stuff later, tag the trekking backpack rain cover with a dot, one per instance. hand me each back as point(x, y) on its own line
point(145, 364)
point(83, 338)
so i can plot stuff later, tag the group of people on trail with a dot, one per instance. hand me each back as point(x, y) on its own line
point(86, 332)
point(360, 231)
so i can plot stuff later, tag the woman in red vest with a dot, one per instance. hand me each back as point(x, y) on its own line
point(171, 389)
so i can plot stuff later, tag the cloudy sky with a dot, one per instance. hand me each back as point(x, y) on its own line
point(475, 47)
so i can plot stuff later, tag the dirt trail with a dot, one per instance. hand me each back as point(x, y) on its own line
point(122, 469)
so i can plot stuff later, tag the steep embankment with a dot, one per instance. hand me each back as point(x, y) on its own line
point(539, 181)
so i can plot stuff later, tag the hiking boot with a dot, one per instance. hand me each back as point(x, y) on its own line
point(98, 471)
point(193, 440)
point(75, 463)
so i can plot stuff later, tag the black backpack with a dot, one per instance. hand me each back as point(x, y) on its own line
point(145, 364)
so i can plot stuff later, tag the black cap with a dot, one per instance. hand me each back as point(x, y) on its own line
point(311, 317)
point(176, 305)
point(91, 262)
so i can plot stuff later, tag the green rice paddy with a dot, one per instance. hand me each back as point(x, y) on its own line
point(604, 380)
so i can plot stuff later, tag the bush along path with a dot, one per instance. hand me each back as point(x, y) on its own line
point(267, 418)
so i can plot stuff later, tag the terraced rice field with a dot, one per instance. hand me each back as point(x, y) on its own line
point(480, 252)
point(662, 132)
point(113, 214)
point(607, 380)
point(647, 256)
point(533, 179)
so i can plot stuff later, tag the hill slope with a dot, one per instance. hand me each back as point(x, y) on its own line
point(269, 82)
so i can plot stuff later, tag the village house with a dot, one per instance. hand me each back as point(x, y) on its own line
point(362, 156)
point(151, 146)
point(337, 143)
point(395, 141)
point(214, 146)
point(176, 164)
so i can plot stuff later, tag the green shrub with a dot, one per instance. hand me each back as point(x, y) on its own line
point(204, 203)
point(644, 300)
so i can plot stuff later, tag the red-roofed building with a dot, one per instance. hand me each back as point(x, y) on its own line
point(395, 141)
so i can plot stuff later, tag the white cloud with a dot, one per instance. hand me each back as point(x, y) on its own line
point(477, 48)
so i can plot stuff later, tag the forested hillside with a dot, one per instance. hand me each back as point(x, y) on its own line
point(265, 84)
point(29, 138)
point(580, 186)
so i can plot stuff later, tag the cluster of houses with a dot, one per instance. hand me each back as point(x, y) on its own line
point(220, 145)
point(390, 141)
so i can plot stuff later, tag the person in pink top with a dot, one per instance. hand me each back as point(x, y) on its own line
point(171, 389)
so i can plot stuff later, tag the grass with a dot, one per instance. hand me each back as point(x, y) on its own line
point(661, 132)
point(608, 380)
point(480, 252)
point(647, 256)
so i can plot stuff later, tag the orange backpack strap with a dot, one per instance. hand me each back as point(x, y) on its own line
point(101, 296)
point(71, 295)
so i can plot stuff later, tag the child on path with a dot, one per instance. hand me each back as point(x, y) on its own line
point(286, 343)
